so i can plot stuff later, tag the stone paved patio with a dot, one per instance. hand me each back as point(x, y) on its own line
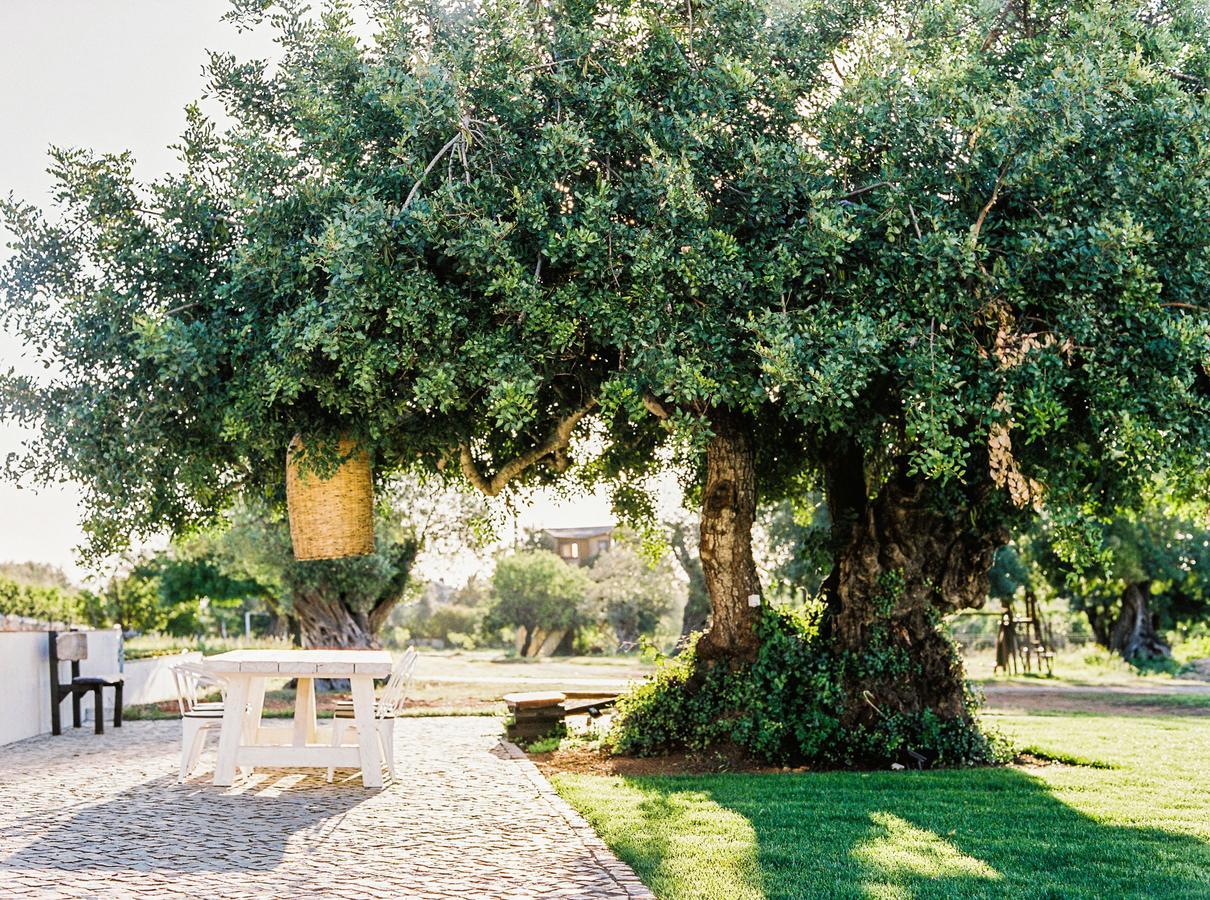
point(103, 816)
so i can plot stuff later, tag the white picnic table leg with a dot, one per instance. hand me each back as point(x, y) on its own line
point(256, 706)
point(304, 711)
point(238, 687)
point(313, 719)
point(367, 734)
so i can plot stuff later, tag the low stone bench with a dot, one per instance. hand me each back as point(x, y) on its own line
point(540, 713)
point(535, 715)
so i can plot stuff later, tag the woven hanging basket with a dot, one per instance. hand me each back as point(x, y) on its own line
point(331, 518)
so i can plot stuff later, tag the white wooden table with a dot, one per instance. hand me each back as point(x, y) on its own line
point(246, 672)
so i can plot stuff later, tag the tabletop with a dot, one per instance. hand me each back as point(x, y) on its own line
point(326, 663)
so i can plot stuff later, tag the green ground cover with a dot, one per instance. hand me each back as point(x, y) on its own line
point(1138, 825)
point(147, 646)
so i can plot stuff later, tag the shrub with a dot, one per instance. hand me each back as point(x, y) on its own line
point(785, 707)
point(50, 604)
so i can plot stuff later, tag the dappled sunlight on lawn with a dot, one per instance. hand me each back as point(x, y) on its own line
point(1141, 830)
point(898, 851)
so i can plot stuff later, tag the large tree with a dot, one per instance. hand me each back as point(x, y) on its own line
point(941, 260)
point(336, 602)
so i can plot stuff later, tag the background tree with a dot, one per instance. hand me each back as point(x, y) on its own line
point(47, 603)
point(195, 588)
point(682, 541)
point(942, 261)
point(130, 601)
point(631, 593)
point(1150, 577)
point(36, 574)
point(536, 591)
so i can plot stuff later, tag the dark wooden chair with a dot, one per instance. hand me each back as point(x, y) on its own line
point(72, 646)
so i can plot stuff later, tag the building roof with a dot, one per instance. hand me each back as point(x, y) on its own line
point(579, 533)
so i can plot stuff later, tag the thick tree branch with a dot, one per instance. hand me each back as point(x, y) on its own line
point(556, 445)
point(991, 201)
point(655, 407)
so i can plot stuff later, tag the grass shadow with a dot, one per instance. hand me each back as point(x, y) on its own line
point(973, 833)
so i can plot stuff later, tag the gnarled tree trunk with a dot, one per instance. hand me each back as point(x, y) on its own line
point(901, 561)
point(1134, 635)
point(725, 548)
point(329, 621)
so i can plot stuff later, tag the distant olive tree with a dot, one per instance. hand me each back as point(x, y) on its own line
point(630, 593)
point(537, 591)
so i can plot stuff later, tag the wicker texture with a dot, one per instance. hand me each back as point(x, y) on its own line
point(331, 518)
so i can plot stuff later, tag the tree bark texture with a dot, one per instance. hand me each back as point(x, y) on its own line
point(901, 562)
point(1134, 635)
point(725, 548)
point(327, 621)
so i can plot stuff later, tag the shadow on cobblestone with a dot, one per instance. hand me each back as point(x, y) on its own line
point(162, 826)
point(102, 816)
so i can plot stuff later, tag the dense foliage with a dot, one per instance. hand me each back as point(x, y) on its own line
point(787, 707)
point(46, 603)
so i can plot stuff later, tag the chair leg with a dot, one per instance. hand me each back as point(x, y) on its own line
point(199, 744)
point(75, 708)
point(98, 710)
point(117, 705)
point(189, 734)
point(386, 736)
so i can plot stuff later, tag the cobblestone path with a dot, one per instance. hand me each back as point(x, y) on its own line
point(84, 815)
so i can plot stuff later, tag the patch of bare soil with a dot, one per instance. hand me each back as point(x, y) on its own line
point(1031, 761)
point(581, 760)
point(1008, 699)
point(1199, 670)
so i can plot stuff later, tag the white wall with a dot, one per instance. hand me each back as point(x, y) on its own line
point(25, 675)
point(150, 680)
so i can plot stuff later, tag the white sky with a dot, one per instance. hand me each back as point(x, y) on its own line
point(116, 75)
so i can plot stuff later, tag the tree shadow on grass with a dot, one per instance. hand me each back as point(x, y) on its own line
point(974, 833)
point(162, 826)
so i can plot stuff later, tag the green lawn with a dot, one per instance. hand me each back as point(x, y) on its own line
point(1139, 828)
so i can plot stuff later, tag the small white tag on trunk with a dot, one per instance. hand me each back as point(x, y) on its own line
point(754, 599)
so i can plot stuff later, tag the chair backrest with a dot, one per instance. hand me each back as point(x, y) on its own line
point(71, 646)
point(395, 694)
point(191, 678)
point(64, 646)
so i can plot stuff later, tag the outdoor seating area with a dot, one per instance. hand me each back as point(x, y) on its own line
point(106, 815)
point(245, 740)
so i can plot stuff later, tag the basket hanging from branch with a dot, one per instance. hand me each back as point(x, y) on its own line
point(331, 517)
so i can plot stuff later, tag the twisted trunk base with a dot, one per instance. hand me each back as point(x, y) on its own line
point(900, 564)
point(329, 622)
point(1134, 635)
